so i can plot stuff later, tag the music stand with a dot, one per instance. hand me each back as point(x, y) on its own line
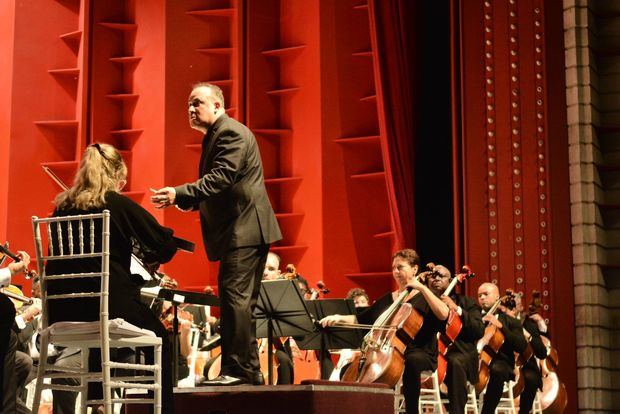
point(280, 311)
point(333, 337)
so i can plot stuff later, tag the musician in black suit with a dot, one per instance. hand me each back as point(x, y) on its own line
point(503, 364)
point(534, 326)
point(462, 356)
point(238, 224)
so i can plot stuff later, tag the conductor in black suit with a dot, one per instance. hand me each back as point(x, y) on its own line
point(238, 224)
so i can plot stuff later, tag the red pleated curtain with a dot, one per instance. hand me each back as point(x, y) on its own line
point(392, 35)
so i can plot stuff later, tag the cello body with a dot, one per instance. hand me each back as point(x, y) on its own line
point(383, 358)
point(488, 347)
point(553, 397)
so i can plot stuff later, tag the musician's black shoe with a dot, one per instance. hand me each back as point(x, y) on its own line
point(223, 381)
point(258, 379)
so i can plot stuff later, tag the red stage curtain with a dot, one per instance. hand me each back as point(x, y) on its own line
point(392, 27)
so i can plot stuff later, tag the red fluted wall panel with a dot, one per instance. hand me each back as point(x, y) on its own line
point(43, 64)
point(515, 158)
point(7, 16)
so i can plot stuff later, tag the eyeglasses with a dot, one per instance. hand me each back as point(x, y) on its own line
point(437, 275)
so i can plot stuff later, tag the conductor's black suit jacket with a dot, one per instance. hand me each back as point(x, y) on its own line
point(230, 193)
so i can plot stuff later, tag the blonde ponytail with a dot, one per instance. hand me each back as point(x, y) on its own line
point(100, 171)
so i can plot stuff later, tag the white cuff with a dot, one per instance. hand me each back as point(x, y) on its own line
point(5, 276)
point(19, 320)
point(459, 310)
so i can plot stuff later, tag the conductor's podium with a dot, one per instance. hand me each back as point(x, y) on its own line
point(310, 397)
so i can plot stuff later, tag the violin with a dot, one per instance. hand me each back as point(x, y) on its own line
point(167, 319)
point(290, 273)
point(313, 294)
point(4, 250)
point(322, 289)
point(382, 356)
point(491, 342)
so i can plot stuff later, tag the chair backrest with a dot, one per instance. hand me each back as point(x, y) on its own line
point(69, 239)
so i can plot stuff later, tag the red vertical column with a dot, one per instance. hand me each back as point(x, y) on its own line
point(515, 165)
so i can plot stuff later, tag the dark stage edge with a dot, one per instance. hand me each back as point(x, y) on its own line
point(298, 399)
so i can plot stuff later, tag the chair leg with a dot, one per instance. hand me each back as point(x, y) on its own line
point(158, 380)
point(511, 397)
point(472, 401)
point(437, 394)
point(84, 382)
point(40, 373)
point(107, 389)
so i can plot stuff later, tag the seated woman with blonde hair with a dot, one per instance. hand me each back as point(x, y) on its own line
point(101, 177)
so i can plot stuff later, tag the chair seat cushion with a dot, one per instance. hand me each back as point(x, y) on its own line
point(118, 327)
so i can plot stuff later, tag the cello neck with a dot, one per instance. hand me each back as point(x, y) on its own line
point(495, 307)
point(389, 312)
point(451, 286)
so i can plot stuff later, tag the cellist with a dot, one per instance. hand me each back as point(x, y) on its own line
point(421, 353)
point(462, 355)
point(502, 366)
point(535, 325)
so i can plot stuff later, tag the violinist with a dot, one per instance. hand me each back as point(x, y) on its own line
point(283, 346)
point(272, 267)
point(361, 301)
point(502, 366)
point(534, 325)
point(359, 297)
point(8, 339)
point(101, 176)
point(421, 352)
point(325, 358)
point(462, 356)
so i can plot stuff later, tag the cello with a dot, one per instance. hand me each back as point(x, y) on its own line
point(382, 356)
point(489, 345)
point(553, 397)
point(527, 354)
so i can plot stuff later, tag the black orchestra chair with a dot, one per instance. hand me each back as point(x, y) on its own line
point(66, 237)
